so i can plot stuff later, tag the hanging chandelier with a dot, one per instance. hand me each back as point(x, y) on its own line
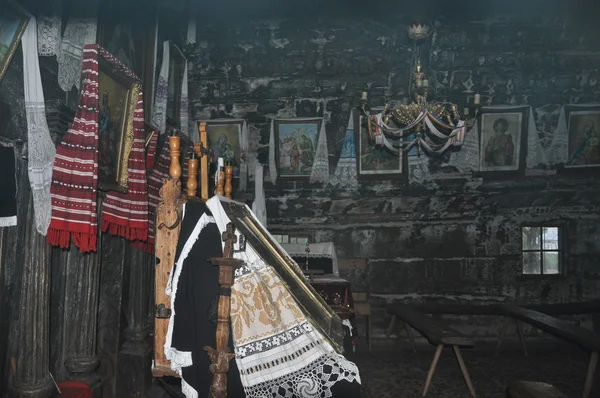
point(431, 127)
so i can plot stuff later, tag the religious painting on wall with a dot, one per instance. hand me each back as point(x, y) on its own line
point(296, 147)
point(583, 137)
point(117, 97)
point(13, 22)
point(372, 161)
point(225, 141)
point(503, 140)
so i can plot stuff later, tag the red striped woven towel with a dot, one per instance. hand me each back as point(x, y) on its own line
point(75, 173)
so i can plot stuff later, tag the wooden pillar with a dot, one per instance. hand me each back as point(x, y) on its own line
point(32, 376)
point(82, 286)
point(135, 358)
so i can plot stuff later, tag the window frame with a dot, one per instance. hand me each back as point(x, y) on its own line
point(292, 235)
point(562, 250)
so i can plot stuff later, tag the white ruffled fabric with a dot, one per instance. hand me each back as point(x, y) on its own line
point(159, 118)
point(41, 150)
point(48, 32)
point(78, 33)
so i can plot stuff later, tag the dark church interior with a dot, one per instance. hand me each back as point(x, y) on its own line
point(298, 199)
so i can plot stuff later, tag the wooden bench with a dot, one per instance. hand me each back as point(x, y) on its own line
point(438, 334)
point(533, 389)
point(564, 330)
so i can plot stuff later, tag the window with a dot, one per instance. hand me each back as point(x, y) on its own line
point(542, 250)
point(300, 239)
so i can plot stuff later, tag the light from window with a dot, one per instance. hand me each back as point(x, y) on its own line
point(542, 251)
point(283, 239)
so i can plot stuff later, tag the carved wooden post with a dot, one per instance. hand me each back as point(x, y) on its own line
point(228, 179)
point(220, 180)
point(82, 286)
point(221, 356)
point(32, 379)
point(203, 161)
point(134, 375)
point(192, 182)
point(175, 147)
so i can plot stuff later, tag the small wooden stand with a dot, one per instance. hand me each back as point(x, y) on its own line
point(221, 356)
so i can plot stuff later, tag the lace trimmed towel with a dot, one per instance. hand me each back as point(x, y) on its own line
point(345, 171)
point(159, 118)
point(320, 166)
point(184, 104)
point(40, 147)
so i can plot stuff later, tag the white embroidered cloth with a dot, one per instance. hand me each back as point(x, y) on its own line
point(40, 147)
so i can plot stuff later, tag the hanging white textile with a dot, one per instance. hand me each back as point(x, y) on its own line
point(259, 207)
point(345, 171)
point(159, 118)
point(41, 150)
point(78, 33)
point(49, 29)
point(320, 166)
point(183, 108)
point(191, 31)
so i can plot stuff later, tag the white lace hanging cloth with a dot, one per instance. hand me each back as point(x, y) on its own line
point(159, 118)
point(78, 33)
point(278, 352)
point(49, 28)
point(418, 170)
point(320, 167)
point(259, 207)
point(345, 171)
point(183, 108)
point(191, 31)
point(41, 150)
point(558, 153)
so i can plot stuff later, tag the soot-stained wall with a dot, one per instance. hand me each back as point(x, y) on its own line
point(459, 241)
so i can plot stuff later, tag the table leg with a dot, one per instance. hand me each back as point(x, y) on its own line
point(501, 335)
point(436, 357)
point(589, 379)
point(411, 338)
point(390, 328)
point(463, 370)
point(522, 337)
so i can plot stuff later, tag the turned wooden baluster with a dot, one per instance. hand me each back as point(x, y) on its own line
point(192, 182)
point(221, 356)
point(220, 181)
point(228, 179)
point(175, 147)
point(201, 150)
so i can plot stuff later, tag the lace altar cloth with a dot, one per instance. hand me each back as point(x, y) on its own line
point(325, 249)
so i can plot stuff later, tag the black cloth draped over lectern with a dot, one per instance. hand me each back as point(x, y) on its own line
point(278, 354)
